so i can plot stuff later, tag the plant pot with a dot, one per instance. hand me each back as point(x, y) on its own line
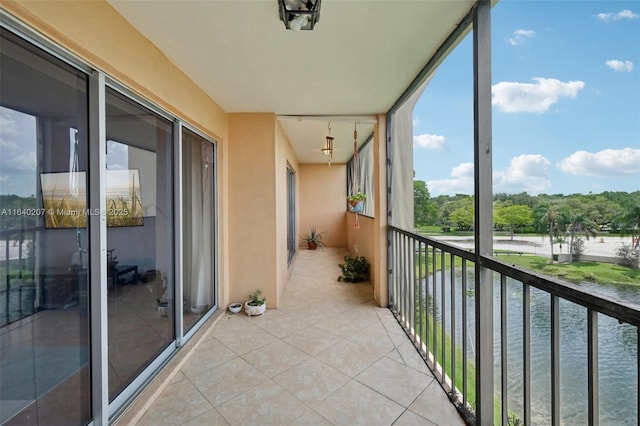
point(235, 307)
point(163, 309)
point(311, 245)
point(356, 206)
point(254, 310)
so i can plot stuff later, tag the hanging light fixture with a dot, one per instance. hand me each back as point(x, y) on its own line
point(299, 14)
point(328, 145)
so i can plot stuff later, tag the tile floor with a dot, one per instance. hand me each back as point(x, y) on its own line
point(327, 356)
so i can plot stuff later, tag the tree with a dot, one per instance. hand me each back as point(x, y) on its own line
point(513, 216)
point(629, 221)
point(547, 219)
point(424, 211)
point(581, 224)
point(463, 215)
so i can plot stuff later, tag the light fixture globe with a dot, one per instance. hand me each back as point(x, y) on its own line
point(299, 14)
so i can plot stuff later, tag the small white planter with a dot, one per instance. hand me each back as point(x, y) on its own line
point(235, 307)
point(254, 310)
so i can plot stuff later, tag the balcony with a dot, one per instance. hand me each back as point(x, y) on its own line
point(328, 355)
point(553, 352)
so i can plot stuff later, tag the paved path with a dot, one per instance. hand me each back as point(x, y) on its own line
point(599, 246)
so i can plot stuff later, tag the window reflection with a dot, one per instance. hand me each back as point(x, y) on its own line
point(44, 318)
point(139, 239)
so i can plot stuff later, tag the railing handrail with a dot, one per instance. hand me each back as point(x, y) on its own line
point(463, 253)
point(620, 310)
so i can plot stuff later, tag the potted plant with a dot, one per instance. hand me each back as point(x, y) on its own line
point(356, 201)
point(313, 239)
point(256, 304)
point(354, 269)
point(235, 307)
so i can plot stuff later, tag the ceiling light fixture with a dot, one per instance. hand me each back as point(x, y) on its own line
point(328, 145)
point(299, 14)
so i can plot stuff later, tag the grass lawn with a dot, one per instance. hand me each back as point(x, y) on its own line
point(577, 271)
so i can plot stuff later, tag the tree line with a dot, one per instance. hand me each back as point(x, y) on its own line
point(558, 215)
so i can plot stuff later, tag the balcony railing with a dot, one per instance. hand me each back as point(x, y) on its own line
point(17, 280)
point(562, 353)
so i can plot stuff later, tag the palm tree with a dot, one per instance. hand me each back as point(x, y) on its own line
point(551, 220)
point(629, 220)
point(581, 224)
point(545, 219)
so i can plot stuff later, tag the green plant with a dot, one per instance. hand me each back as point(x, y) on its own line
point(627, 256)
point(514, 420)
point(357, 197)
point(256, 299)
point(355, 269)
point(314, 237)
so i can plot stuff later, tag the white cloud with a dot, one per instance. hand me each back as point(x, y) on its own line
point(520, 36)
point(527, 172)
point(622, 66)
point(608, 162)
point(623, 14)
point(536, 97)
point(461, 181)
point(416, 121)
point(429, 141)
point(17, 141)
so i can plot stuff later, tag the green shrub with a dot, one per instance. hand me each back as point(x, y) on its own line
point(355, 269)
point(627, 256)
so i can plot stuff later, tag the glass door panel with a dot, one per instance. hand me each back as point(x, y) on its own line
point(139, 238)
point(44, 315)
point(198, 176)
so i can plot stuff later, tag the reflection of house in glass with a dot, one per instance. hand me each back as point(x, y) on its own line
point(124, 200)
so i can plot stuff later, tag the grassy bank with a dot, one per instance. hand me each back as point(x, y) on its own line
point(577, 271)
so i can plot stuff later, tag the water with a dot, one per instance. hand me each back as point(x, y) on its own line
point(617, 352)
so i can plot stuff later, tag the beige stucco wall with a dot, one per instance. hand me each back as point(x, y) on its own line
point(284, 156)
point(360, 242)
point(370, 238)
point(252, 194)
point(98, 35)
point(380, 278)
point(323, 195)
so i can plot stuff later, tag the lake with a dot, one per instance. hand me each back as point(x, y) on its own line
point(617, 352)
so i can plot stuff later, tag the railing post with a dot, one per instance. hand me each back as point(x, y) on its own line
point(592, 368)
point(483, 210)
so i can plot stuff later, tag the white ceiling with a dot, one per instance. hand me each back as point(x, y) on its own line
point(357, 61)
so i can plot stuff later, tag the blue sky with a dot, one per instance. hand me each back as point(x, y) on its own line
point(566, 102)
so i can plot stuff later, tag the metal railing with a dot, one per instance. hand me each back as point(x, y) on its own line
point(540, 325)
point(17, 285)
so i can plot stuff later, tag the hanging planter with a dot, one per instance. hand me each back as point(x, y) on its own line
point(356, 206)
point(356, 202)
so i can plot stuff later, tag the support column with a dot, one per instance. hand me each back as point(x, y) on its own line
point(380, 276)
point(483, 210)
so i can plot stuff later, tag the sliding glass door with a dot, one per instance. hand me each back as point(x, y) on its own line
point(140, 291)
point(198, 221)
point(72, 139)
point(291, 214)
point(44, 293)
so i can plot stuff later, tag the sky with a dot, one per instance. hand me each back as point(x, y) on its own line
point(565, 102)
